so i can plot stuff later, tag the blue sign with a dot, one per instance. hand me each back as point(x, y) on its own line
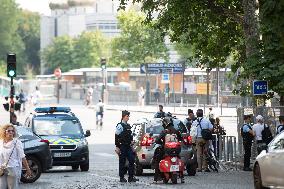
point(142, 68)
point(260, 87)
point(158, 68)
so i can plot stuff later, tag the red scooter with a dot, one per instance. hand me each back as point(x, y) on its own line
point(172, 166)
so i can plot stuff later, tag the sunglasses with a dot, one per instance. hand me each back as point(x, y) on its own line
point(10, 131)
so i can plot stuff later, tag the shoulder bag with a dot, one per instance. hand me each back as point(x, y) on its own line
point(3, 169)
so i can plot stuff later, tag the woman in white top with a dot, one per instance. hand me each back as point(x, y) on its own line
point(11, 156)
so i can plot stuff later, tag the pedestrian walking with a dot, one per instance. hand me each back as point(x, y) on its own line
point(167, 94)
point(248, 135)
point(35, 97)
point(99, 114)
point(12, 158)
point(189, 120)
point(124, 149)
point(22, 100)
point(280, 127)
point(141, 96)
point(203, 129)
point(157, 95)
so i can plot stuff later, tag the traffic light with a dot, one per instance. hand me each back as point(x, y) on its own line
point(103, 63)
point(11, 65)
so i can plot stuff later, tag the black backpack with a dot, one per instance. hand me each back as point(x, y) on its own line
point(266, 134)
point(205, 133)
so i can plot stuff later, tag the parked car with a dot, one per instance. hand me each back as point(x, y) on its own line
point(37, 153)
point(268, 167)
point(146, 131)
point(64, 132)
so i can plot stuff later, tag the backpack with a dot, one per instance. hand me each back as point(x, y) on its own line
point(266, 134)
point(205, 133)
point(101, 108)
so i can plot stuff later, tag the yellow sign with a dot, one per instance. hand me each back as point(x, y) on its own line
point(201, 88)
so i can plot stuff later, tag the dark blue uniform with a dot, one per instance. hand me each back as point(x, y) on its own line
point(123, 140)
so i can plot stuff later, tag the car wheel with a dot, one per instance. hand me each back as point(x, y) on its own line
point(138, 169)
point(85, 166)
point(36, 169)
point(191, 169)
point(75, 167)
point(257, 178)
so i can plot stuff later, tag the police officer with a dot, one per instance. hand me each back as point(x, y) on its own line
point(160, 113)
point(280, 127)
point(189, 120)
point(123, 143)
point(248, 135)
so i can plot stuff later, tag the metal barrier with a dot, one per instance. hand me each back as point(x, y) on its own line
point(225, 148)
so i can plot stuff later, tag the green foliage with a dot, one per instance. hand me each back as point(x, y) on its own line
point(272, 27)
point(8, 26)
point(29, 31)
point(137, 42)
point(71, 53)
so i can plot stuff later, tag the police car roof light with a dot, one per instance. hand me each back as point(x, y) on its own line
point(52, 109)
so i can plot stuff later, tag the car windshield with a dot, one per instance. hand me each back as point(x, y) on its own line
point(67, 128)
point(154, 126)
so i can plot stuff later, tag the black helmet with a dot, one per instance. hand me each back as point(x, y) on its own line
point(167, 121)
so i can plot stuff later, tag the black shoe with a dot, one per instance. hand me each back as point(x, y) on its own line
point(122, 179)
point(132, 179)
point(182, 180)
point(199, 170)
point(207, 170)
point(247, 169)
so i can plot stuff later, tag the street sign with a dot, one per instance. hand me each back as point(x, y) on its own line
point(165, 78)
point(142, 68)
point(158, 68)
point(57, 72)
point(260, 87)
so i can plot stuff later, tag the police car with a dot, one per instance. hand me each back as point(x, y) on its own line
point(64, 132)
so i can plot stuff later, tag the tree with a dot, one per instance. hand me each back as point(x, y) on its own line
point(72, 53)
point(272, 63)
point(29, 31)
point(89, 48)
point(218, 29)
point(60, 54)
point(8, 26)
point(138, 42)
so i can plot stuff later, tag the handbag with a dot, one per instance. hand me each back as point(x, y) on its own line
point(3, 169)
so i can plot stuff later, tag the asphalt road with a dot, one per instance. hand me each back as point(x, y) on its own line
point(103, 171)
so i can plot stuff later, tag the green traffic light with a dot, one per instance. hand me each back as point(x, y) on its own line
point(12, 73)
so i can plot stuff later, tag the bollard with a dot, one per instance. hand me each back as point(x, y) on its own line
point(235, 152)
point(231, 148)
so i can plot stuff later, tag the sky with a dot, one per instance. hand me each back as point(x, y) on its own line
point(40, 6)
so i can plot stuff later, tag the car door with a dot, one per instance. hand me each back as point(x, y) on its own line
point(274, 162)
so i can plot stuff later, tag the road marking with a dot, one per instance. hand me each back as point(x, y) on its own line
point(105, 154)
point(140, 182)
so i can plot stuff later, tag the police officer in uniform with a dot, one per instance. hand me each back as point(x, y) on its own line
point(280, 127)
point(123, 143)
point(248, 135)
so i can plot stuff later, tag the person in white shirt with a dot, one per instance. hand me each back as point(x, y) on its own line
point(258, 128)
point(11, 158)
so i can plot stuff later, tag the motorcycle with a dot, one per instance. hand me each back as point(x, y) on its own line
point(171, 166)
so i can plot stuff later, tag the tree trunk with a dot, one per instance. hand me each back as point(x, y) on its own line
point(282, 105)
point(251, 29)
